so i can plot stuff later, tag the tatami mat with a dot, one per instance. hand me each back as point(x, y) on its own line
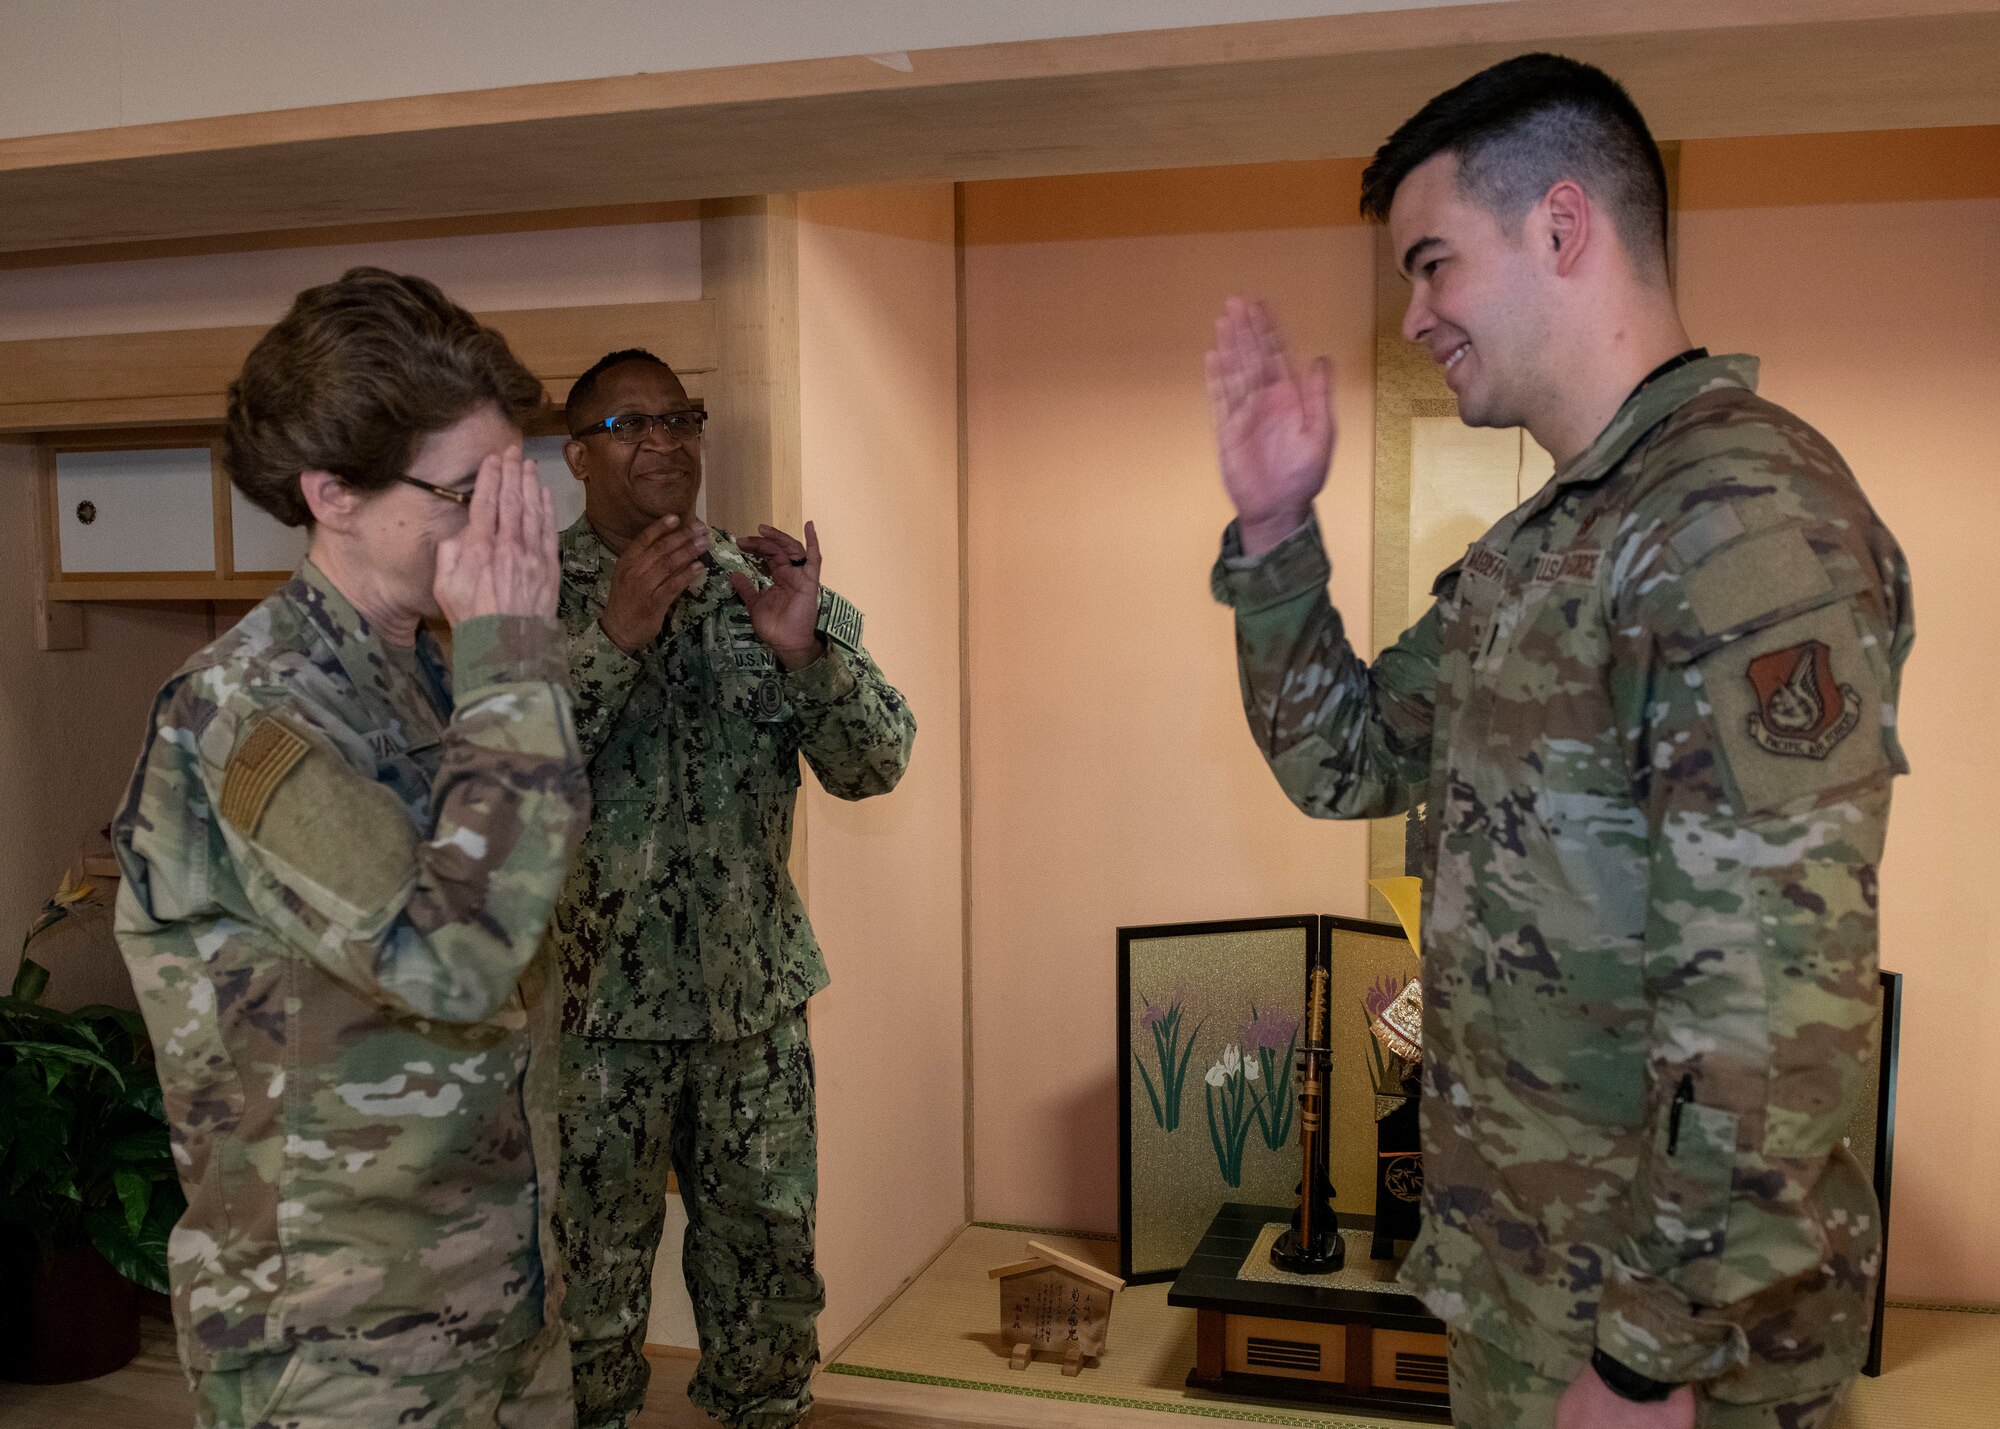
point(944, 1332)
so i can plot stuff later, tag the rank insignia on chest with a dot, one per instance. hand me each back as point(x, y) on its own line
point(769, 698)
point(741, 648)
point(1802, 710)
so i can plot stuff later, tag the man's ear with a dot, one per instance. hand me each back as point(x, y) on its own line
point(332, 501)
point(1569, 218)
point(575, 455)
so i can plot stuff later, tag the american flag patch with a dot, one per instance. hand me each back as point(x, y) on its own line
point(839, 620)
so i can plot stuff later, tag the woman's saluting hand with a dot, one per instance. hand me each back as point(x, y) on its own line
point(504, 560)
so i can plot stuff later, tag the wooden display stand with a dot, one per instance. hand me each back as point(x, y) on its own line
point(1329, 1343)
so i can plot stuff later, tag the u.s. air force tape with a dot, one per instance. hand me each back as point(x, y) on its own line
point(838, 619)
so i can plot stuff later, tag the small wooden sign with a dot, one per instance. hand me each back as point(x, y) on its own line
point(1054, 1301)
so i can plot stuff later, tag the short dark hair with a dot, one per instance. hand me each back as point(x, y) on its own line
point(353, 377)
point(584, 388)
point(1522, 126)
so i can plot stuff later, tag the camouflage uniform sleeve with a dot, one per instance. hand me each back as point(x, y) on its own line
point(1346, 740)
point(855, 728)
point(439, 922)
point(601, 676)
point(1757, 684)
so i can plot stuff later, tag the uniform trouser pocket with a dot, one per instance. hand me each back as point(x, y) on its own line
point(524, 1387)
point(245, 1398)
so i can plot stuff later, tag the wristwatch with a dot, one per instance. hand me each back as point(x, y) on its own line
point(1629, 1383)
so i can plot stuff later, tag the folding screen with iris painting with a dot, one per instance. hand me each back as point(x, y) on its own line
point(1209, 1031)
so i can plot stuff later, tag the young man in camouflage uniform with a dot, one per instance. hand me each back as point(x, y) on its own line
point(703, 668)
point(1652, 713)
point(340, 853)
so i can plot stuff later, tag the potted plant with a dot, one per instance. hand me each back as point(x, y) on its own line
point(87, 1185)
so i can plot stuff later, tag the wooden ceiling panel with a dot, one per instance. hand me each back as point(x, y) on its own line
point(1233, 94)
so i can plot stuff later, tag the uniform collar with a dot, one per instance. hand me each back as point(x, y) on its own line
point(586, 563)
point(394, 707)
point(1645, 409)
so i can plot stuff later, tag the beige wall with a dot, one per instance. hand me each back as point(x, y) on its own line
point(1112, 781)
point(1865, 272)
point(878, 333)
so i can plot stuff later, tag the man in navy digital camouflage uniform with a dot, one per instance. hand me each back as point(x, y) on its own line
point(703, 668)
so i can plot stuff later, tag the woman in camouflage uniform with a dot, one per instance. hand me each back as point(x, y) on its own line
point(340, 850)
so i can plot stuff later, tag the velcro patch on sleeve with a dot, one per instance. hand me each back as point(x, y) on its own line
point(838, 619)
point(1762, 575)
point(1713, 529)
point(343, 833)
point(258, 764)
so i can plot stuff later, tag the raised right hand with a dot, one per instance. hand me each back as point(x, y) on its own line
point(503, 560)
point(1273, 428)
point(661, 565)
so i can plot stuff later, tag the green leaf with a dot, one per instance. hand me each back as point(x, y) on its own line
point(135, 1192)
point(143, 1095)
point(85, 1153)
point(149, 1144)
point(31, 979)
point(138, 1253)
point(123, 1246)
point(119, 1033)
point(54, 1053)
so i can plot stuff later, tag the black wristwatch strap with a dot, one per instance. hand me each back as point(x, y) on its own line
point(1628, 1383)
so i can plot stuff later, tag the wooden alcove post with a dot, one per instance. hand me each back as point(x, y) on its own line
point(752, 458)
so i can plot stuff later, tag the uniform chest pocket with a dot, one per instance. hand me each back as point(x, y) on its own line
point(1568, 1007)
point(630, 766)
point(1466, 594)
point(758, 729)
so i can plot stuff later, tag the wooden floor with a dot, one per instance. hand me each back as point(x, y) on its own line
point(152, 1393)
point(1943, 1373)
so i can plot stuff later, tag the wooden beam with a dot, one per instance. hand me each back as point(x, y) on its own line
point(182, 377)
point(59, 624)
point(1319, 87)
point(752, 454)
point(393, 231)
point(149, 587)
point(223, 511)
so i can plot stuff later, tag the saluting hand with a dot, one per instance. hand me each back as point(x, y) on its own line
point(1273, 427)
point(503, 560)
point(785, 613)
point(663, 563)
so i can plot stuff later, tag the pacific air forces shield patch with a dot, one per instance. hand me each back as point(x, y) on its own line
point(1802, 709)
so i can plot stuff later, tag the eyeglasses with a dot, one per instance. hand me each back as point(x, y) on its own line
point(456, 495)
point(631, 428)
